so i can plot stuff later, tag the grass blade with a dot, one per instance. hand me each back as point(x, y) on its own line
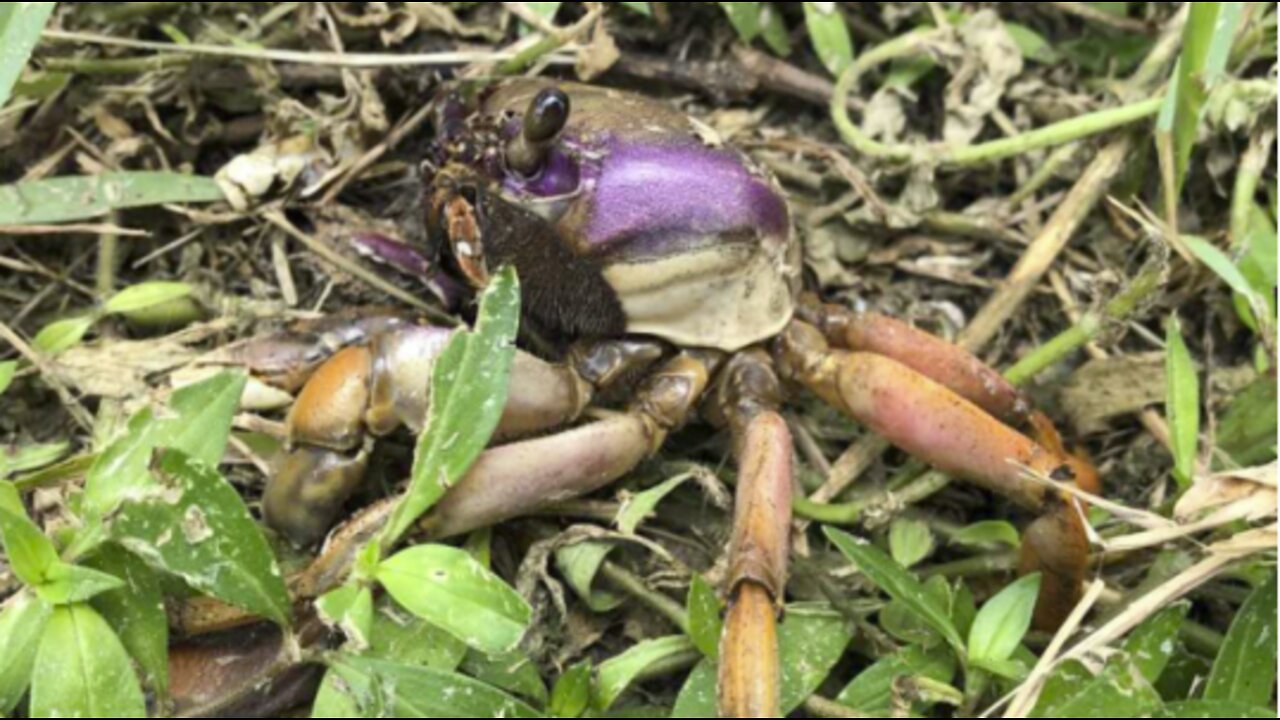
point(20, 26)
point(70, 199)
point(1244, 672)
point(1183, 404)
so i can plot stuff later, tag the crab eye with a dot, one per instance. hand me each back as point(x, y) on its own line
point(546, 117)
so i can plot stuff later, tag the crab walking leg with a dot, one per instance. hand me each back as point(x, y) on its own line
point(750, 680)
point(935, 424)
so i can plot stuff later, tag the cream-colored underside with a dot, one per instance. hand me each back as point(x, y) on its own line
point(725, 298)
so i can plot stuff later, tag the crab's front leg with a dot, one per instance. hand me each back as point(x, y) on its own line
point(906, 396)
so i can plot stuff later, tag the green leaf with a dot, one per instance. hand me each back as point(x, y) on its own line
point(1032, 44)
point(20, 26)
point(71, 199)
point(402, 639)
point(400, 691)
point(872, 691)
point(1120, 691)
point(83, 671)
point(705, 623)
point(1004, 621)
point(1259, 268)
point(1183, 404)
point(641, 507)
point(449, 589)
point(335, 701)
point(545, 10)
point(32, 457)
point(137, 612)
point(910, 542)
point(7, 372)
point(1207, 40)
point(59, 337)
point(198, 424)
point(350, 608)
point(22, 623)
point(514, 672)
point(811, 641)
point(1152, 646)
point(31, 555)
point(469, 388)
point(580, 563)
point(572, 694)
point(1226, 270)
point(774, 29)
point(147, 295)
point(745, 17)
point(1213, 710)
point(898, 583)
point(641, 7)
point(70, 584)
point(829, 34)
point(1247, 432)
point(992, 533)
point(1244, 672)
point(618, 674)
point(194, 525)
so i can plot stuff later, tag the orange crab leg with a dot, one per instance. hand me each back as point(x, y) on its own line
point(937, 425)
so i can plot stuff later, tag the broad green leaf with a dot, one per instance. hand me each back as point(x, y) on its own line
point(83, 671)
point(705, 623)
point(1184, 677)
point(1004, 621)
point(197, 423)
point(1120, 691)
point(1152, 646)
point(988, 534)
point(31, 457)
point(349, 608)
point(1200, 709)
point(449, 589)
point(580, 564)
point(1247, 432)
point(70, 199)
point(572, 695)
point(904, 621)
point(829, 34)
point(401, 639)
point(872, 691)
point(642, 506)
point(910, 542)
point(400, 691)
point(137, 612)
point(774, 30)
point(334, 701)
point(618, 674)
point(514, 672)
point(22, 623)
point(31, 555)
point(20, 26)
point(71, 584)
point(1183, 405)
point(1032, 44)
point(898, 583)
point(194, 525)
point(811, 641)
point(59, 337)
point(147, 295)
point(745, 17)
point(1244, 672)
point(7, 371)
point(468, 394)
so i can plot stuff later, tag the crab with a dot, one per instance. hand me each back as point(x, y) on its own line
point(661, 263)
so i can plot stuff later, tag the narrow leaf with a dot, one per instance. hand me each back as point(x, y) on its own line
point(468, 394)
point(618, 674)
point(1183, 404)
point(829, 34)
point(20, 26)
point(643, 8)
point(910, 542)
point(1004, 621)
point(572, 694)
point(746, 18)
point(897, 582)
point(872, 691)
point(137, 612)
point(83, 671)
point(580, 564)
point(641, 507)
point(705, 623)
point(988, 534)
point(71, 584)
point(7, 371)
point(194, 525)
point(514, 672)
point(59, 337)
point(449, 589)
point(147, 295)
point(22, 624)
point(774, 30)
point(1244, 672)
point(31, 555)
point(71, 199)
point(399, 691)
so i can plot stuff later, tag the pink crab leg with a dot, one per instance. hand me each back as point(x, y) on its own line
point(939, 426)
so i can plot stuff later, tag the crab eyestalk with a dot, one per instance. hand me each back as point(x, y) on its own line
point(547, 115)
point(750, 672)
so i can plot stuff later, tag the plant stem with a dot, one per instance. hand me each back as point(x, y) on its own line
point(636, 588)
point(116, 66)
